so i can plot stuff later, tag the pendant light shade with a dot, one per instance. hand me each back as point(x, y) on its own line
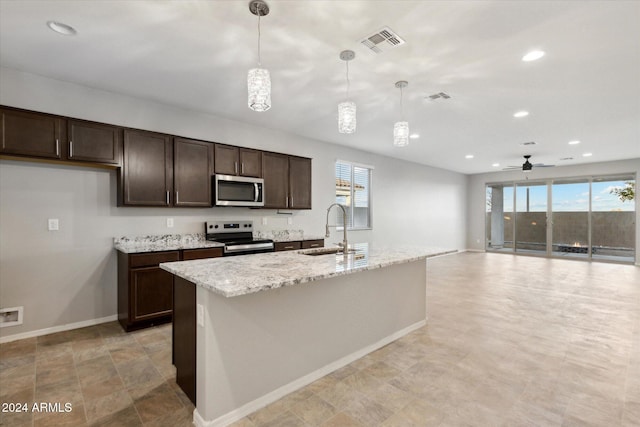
point(347, 117)
point(401, 134)
point(401, 128)
point(259, 88)
point(347, 109)
point(258, 79)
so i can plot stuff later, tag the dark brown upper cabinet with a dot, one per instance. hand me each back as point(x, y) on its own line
point(275, 171)
point(287, 181)
point(31, 134)
point(94, 142)
point(299, 182)
point(146, 177)
point(192, 168)
point(230, 160)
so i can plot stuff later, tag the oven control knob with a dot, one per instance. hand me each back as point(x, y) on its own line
point(216, 226)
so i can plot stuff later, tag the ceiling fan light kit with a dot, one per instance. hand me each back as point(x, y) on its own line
point(527, 166)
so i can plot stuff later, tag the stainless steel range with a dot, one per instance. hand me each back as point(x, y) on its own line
point(237, 237)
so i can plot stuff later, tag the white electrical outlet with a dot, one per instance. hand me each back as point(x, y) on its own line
point(264, 220)
point(169, 222)
point(200, 315)
point(53, 224)
point(290, 220)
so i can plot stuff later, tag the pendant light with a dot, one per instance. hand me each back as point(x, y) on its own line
point(347, 109)
point(258, 79)
point(401, 128)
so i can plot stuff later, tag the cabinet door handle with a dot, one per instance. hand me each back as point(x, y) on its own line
point(57, 147)
point(236, 167)
point(177, 197)
point(70, 148)
point(167, 197)
point(288, 247)
point(315, 245)
point(242, 168)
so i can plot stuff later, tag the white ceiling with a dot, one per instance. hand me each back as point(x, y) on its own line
point(195, 55)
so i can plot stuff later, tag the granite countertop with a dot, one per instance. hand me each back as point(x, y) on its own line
point(246, 274)
point(166, 242)
point(174, 242)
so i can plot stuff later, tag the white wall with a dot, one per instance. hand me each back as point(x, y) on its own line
point(69, 276)
point(476, 187)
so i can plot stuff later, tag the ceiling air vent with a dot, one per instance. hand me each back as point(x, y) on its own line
point(439, 95)
point(382, 40)
point(529, 143)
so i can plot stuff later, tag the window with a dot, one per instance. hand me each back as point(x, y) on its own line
point(353, 191)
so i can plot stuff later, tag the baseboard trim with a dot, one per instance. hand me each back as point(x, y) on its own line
point(60, 328)
point(244, 410)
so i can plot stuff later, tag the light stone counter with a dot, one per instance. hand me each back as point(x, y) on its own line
point(165, 242)
point(242, 275)
point(174, 242)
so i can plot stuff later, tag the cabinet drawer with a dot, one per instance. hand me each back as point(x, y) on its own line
point(152, 259)
point(190, 254)
point(307, 244)
point(287, 246)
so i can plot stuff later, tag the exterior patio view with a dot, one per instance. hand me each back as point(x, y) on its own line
point(582, 218)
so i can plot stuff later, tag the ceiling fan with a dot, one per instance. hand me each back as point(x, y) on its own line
point(527, 166)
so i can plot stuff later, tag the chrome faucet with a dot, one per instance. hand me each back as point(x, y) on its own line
point(344, 228)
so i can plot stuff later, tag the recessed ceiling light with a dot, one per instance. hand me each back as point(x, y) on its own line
point(61, 28)
point(574, 142)
point(533, 55)
point(495, 165)
point(587, 155)
point(521, 114)
point(414, 136)
point(469, 156)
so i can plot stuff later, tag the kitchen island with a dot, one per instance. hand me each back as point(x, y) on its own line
point(254, 328)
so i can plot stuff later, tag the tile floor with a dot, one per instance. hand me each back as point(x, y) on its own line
point(510, 341)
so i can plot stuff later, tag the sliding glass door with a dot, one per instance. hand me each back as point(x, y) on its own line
point(570, 218)
point(499, 217)
point(613, 218)
point(589, 218)
point(531, 217)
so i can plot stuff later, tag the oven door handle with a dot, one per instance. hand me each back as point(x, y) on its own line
point(238, 248)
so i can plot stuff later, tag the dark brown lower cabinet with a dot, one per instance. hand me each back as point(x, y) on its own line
point(145, 291)
point(184, 336)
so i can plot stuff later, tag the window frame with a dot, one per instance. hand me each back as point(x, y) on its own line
point(351, 211)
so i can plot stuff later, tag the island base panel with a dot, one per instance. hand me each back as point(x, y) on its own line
point(256, 348)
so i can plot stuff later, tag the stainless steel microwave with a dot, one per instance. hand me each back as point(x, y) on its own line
point(232, 190)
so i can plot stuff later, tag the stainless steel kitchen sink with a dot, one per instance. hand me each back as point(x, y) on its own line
point(329, 251)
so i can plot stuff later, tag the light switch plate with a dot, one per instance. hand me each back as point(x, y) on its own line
point(53, 224)
point(264, 220)
point(290, 220)
point(169, 222)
